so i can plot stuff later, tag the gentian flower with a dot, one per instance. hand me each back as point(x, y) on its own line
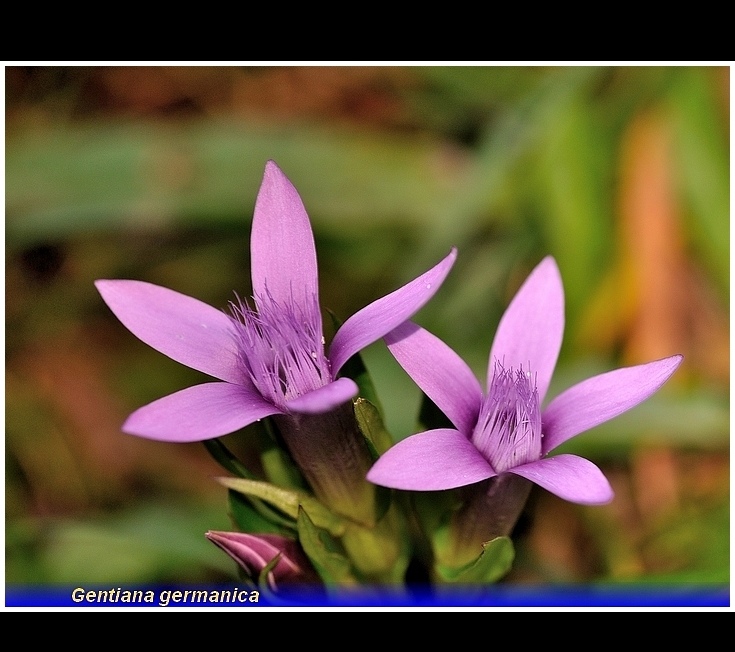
point(505, 430)
point(269, 359)
point(254, 552)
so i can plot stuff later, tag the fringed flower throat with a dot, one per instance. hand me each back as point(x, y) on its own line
point(508, 430)
point(281, 347)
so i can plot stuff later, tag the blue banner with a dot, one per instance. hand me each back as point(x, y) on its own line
point(247, 597)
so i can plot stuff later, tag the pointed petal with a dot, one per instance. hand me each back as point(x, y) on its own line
point(185, 329)
point(198, 413)
point(431, 461)
point(531, 330)
point(600, 398)
point(283, 256)
point(325, 398)
point(382, 316)
point(570, 477)
point(442, 375)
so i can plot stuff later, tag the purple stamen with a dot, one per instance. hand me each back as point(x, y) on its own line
point(508, 430)
point(281, 347)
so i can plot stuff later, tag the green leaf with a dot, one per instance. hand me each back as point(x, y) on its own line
point(249, 518)
point(333, 567)
point(494, 561)
point(288, 501)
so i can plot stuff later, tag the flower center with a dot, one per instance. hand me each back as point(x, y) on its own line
point(281, 347)
point(508, 430)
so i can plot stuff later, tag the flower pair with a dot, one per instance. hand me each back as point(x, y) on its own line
point(270, 359)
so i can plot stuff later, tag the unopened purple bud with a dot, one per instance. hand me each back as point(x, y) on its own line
point(254, 552)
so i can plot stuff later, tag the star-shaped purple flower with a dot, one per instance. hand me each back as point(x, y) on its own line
point(505, 430)
point(268, 359)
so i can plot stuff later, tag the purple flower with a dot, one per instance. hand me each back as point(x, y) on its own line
point(254, 552)
point(268, 359)
point(505, 430)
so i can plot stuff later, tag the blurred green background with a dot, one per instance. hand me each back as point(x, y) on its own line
point(621, 173)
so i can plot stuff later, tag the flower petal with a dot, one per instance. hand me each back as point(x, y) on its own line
point(600, 398)
point(185, 329)
point(198, 413)
point(443, 376)
point(431, 461)
point(383, 315)
point(570, 477)
point(325, 398)
point(531, 330)
point(283, 255)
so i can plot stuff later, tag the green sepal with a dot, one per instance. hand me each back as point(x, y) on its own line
point(226, 459)
point(263, 577)
point(433, 511)
point(245, 578)
point(378, 440)
point(263, 585)
point(372, 426)
point(247, 518)
point(494, 561)
point(256, 516)
point(289, 501)
point(276, 462)
point(279, 469)
point(381, 553)
point(324, 553)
